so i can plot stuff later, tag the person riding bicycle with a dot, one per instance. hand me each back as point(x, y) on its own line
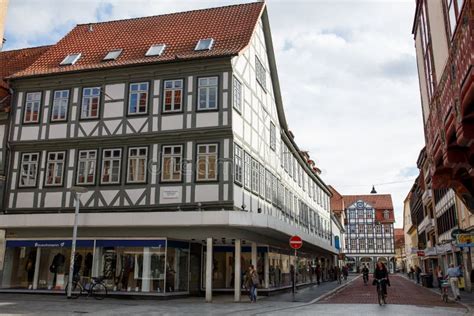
point(365, 273)
point(381, 274)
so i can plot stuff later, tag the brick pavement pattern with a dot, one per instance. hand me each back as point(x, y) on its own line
point(401, 292)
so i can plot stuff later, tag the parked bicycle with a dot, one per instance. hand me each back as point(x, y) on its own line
point(380, 294)
point(96, 288)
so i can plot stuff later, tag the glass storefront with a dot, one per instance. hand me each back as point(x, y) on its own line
point(158, 266)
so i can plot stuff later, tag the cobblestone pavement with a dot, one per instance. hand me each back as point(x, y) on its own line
point(402, 292)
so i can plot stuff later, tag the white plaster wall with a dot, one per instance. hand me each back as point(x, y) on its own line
point(438, 36)
point(171, 194)
point(170, 122)
point(53, 199)
point(57, 131)
point(24, 200)
point(114, 91)
point(206, 192)
point(30, 133)
point(113, 109)
point(207, 119)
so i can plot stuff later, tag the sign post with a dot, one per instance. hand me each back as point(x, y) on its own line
point(296, 243)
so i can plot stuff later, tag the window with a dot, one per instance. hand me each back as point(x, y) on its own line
point(171, 163)
point(361, 244)
point(427, 53)
point(90, 103)
point(378, 229)
point(111, 166)
point(272, 136)
point(155, 50)
point(238, 164)
point(71, 59)
point(207, 93)
point(137, 164)
point(247, 172)
point(262, 181)
point(173, 96)
point(379, 243)
point(268, 185)
point(204, 44)
point(274, 189)
point(353, 244)
point(260, 73)
point(370, 243)
point(360, 214)
point(386, 214)
point(86, 167)
point(237, 97)
point(112, 55)
point(255, 175)
point(138, 98)
point(454, 11)
point(361, 228)
point(387, 229)
point(207, 162)
point(32, 107)
point(60, 104)
point(352, 229)
point(55, 168)
point(29, 170)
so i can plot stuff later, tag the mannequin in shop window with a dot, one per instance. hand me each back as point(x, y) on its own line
point(77, 265)
point(57, 266)
point(30, 268)
point(170, 274)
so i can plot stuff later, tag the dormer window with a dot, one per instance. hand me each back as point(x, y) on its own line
point(205, 44)
point(156, 50)
point(71, 59)
point(386, 214)
point(113, 54)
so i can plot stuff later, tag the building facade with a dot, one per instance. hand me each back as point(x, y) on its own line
point(181, 140)
point(400, 254)
point(410, 236)
point(368, 224)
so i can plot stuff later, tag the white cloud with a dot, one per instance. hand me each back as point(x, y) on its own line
point(347, 72)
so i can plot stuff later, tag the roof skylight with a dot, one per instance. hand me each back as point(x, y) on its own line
point(156, 50)
point(205, 44)
point(71, 59)
point(113, 54)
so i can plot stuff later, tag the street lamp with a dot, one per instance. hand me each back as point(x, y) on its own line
point(78, 191)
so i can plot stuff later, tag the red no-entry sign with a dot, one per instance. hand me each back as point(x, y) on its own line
point(296, 242)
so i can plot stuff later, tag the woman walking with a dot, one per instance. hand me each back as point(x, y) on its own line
point(251, 283)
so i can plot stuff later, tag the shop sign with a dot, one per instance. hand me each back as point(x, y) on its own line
point(48, 243)
point(465, 240)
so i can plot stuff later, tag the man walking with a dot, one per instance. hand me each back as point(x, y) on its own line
point(417, 272)
point(453, 277)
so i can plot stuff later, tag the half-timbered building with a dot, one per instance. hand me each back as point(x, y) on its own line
point(175, 126)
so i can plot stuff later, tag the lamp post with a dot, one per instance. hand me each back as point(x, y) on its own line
point(78, 191)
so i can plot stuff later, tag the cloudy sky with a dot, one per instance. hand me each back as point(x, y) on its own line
point(347, 70)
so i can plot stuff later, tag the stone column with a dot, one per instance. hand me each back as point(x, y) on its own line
point(266, 270)
point(237, 271)
point(37, 264)
point(209, 270)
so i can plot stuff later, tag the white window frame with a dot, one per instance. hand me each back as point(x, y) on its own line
point(262, 181)
point(137, 160)
point(260, 73)
point(272, 136)
point(70, 59)
point(90, 98)
point(206, 89)
point(238, 164)
point(155, 50)
point(113, 54)
point(138, 93)
point(204, 44)
point(112, 160)
point(173, 89)
point(90, 165)
point(237, 94)
point(55, 165)
point(206, 157)
point(32, 103)
point(247, 171)
point(60, 101)
point(255, 177)
point(31, 170)
point(175, 159)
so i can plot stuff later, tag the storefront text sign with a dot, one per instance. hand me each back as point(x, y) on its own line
point(465, 240)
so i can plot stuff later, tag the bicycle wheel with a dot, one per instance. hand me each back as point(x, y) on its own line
point(99, 291)
point(76, 289)
point(380, 296)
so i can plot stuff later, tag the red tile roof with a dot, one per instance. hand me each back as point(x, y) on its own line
point(399, 236)
point(377, 201)
point(13, 61)
point(231, 27)
point(337, 201)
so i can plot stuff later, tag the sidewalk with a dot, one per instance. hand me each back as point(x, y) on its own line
point(467, 298)
point(311, 293)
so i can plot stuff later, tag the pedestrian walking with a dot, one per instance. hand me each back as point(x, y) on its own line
point(453, 276)
point(318, 274)
point(251, 283)
point(418, 273)
point(439, 276)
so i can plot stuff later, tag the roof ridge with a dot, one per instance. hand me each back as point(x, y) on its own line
point(25, 48)
point(172, 13)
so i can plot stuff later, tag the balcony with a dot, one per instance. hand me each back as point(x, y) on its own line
point(450, 125)
point(427, 224)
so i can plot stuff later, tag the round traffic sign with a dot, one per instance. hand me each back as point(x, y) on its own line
point(296, 242)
